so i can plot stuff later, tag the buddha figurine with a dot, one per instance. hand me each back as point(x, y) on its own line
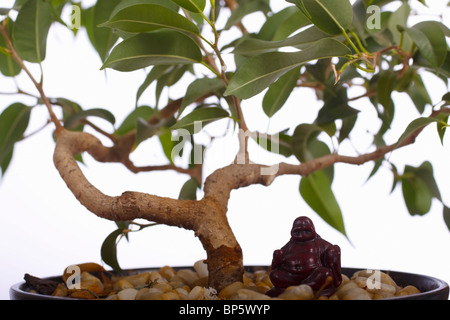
point(306, 259)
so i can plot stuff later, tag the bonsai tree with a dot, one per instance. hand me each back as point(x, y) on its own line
point(329, 46)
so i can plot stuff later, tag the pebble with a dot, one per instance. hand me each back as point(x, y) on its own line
point(191, 284)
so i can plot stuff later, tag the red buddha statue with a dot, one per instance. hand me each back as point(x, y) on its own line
point(306, 259)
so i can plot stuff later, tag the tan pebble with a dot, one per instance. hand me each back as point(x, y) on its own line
point(247, 294)
point(230, 290)
point(163, 287)
point(406, 291)
point(177, 284)
point(112, 297)
point(201, 268)
point(382, 295)
point(197, 293)
point(122, 284)
point(149, 294)
point(301, 292)
point(188, 276)
point(183, 293)
point(155, 276)
point(170, 295)
point(356, 294)
point(61, 290)
point(140, 279)
point(343, 288)
point(91, 283)
point(167, 272)
point(127, 294)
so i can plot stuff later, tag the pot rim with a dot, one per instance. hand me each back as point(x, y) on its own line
point(439, 288)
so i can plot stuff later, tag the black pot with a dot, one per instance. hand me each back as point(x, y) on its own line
point(430, 288)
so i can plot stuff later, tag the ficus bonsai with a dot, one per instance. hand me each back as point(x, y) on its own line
point(328, 46)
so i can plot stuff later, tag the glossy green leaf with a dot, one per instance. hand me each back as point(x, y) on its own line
point(426, 173)
point(130, 121)
point(283, 23)
point(167, 144)
point(128, 3)
point(259, 72)
point(330, 16)
point(154, 74)
point(75, 118)
point(13, 123)
point(446, 216)
point(316, 191)
point(416, 195)
point(430, 39)
point(199, 118)
point(415, 125)
point(442, 126)
point(279, 143)
point(400, 18)
point(200, 88)
point(196, 6)
point(245, 8)
point(189, 190)
point(300, 139)
point(419, 93)
point(102, 39)
point(8, 67)
point(149, 17)
point(279, 92)
point(156, 48)
point(108, 250)
point(253, 46)
point(145, 130)
point(31, 30)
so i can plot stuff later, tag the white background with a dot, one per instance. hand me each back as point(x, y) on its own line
point(44, 228)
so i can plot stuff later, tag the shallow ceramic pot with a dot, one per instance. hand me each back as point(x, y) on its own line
point(431, 288)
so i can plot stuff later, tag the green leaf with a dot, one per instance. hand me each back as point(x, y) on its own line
point(283, 23)
point(252, 46)
point(108, 250)
point(417, 196)
point(167, 144)
point(75, 118)
point(154, 74)
point(430, 39)
point(442, 126)
point(400, 18)
point(102, 39)
point(415, 125)
point(8, 67)
point(279, 143)
point(425, 172)
point(196, 6)
point(200, 117)
point(145, 130)
point(316, 191)
point(303, 134)
point(279, 92)
point(156, 48)
point(13, 123)
point(259, 72)
point(31, 30)
point(330, 16)
point(418, 93)
point(189, 190)
point(201, 87)
point(149, 17)
point(130, 123)
point(128, 3)
point(446, 215)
